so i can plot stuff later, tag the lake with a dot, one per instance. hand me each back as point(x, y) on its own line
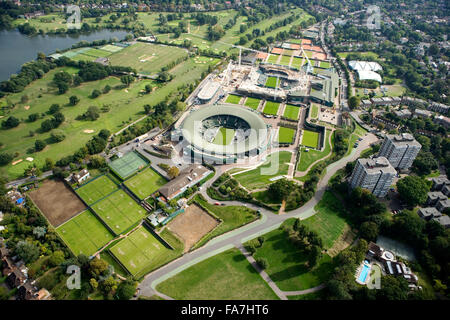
point(17, 48)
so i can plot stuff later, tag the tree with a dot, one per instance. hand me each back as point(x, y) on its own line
point(126, 290)
point(262, 262)
point(5, 158)
point(54, 108)
point(96, 162)
point(49, 164)
point(3, 293)
point(393, 288)
point(33, 117)
point(424, 163)
point(11, 122)
point(57, 135)
point(108, 286)
point(369, 230)
point(93, 283)
point(28, 252)
point(96, 93)
point(92, 113)
point(56, 258)
point(173, 172)
point(98, 266)
point(148, 88)
point(39, 145)
point(164, 76)
point(413, 190)
point(127, 79)
point(73, 100)
point(280, 189)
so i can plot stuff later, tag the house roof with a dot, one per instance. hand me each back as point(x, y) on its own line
point(185, 178)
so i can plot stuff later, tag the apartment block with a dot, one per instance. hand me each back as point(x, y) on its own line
point(400, 150)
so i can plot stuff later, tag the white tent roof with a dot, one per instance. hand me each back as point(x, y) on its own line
point(364, 65)
point(369, 75)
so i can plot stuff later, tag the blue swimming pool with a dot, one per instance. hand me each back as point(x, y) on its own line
point(364, 273)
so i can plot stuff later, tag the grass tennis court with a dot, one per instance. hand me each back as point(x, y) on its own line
point(145, 183)
point(139, 251)
point(291, 112)
point(252, 103)
point(224, 136)
point(233, 99)
point(286, 135)
point(271, 108)
point(127, 164)
point(84, 233)
point(273, 58)
point(310, 139)
point(271, 82)
point(96, 189)
point(296, 62)
point(97, 53)
point(314, 111)
point(285, 60)
point(119, 211)
point(111, 48)
point(325, 64)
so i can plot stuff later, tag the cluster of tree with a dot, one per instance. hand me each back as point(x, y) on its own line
point(52, 123)
point(215, 32)
point(413, 190)
point(203, 18)
point(91, 114)
point(10, 122)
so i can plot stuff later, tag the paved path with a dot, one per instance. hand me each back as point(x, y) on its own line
point(268, 222)
point(306, 291)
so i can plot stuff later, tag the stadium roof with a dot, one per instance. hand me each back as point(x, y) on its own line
point(209, 90)
point(368, 75)
point(364, 65)
point(192, 124)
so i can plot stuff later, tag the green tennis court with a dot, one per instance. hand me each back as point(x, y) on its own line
point(286, 135)
point(128, 164)
point(291, 112)
point(96, 189)
point(271, 108)
point(145, 183)
point(310, 139)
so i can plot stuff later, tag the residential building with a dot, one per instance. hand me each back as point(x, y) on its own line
point(443, 121)
point(375, 174)
point(443, 220)
point(428, 213)
point(434, 197)
point(439, 183)
point(400, 150)
point(422, 113)
point(403, 114)
point(443, 205)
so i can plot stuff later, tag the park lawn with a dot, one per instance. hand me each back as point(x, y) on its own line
point(260, 176)
point(310, 138)
point(84, 234)
point(125, 107)
point(286, 135)
point(366, 54)
point(271, 82)
point(232, 217)
point(273, 58)
point(296, 62)
point(233, 99)
point(252, 103)
point(48, 22)
point(147, 58)
point(285, 60)
point(225, 276)
point(330, 219)
point(286, 263)
point(96, 189)
point(291, 112)
point(271, 108)
point(314, 111)
point(308, 158)
point(119, 211)
point(145, 183)
point(141, 252)
point(224, 136)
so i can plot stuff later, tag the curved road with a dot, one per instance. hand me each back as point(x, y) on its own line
point(269, 221)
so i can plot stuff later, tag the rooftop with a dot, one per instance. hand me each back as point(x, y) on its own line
point(376, 164)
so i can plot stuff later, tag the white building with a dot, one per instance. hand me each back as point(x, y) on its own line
point(375, 175)
point(400, 150)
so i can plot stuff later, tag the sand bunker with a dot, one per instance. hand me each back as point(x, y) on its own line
point(29, 159)
point(26, 107)
point(88, 131)
point(17, 161)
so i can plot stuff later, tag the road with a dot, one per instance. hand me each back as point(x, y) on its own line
point(269, 221)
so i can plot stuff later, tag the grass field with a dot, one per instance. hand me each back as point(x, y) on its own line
point(232, 217)
point(127, 164)
point(285, 60)
point(287, 265)
point(224, 136)
point(252, 103)
point(310, 139)
point(314, 111)
point(119, 211)
point(145, 183)
point(271, 82)
point(296, 62)
point(141, 252)
point(147, 58)
point(260, 177)
point(307, 158)
point(286, 135)
point(225, 276)
point(271, 108)
point(325, 64)
point(291, 112)
point(233, 99)
point(273, 58)
point(330, 221)
point(84, 234)
point(96, 189)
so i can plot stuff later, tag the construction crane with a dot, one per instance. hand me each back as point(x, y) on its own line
point(240, 50)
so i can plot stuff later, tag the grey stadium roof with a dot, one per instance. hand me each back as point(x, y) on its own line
point(257, 138)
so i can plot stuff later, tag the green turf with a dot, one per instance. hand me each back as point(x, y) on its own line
point(260, 177)
point(286, 135)
point(325, 64)
point(285, 60)
point(225, 276)
point(291, 112)
point(273, 58)
point(111, 48)
point(145, 183)
point(296, 62)
point(127, 164)
point(330, 220)
point(233, 99)
point(96, 189)
point(310, 139)
point(84, 234)
point(287, 265)
point(119, 211)
point(141, 252)
point(232, 217)
point(271, 82)
point(271, 107)
point(307, 158)
point(224, 136)
point(314, 111)
point(252, 103)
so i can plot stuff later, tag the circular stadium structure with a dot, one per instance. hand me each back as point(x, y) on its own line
point(223, 133)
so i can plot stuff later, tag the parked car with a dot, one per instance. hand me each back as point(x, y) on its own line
point(217, 203)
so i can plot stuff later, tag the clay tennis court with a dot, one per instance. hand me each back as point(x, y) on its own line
point(56, 201)
point(192, 225)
